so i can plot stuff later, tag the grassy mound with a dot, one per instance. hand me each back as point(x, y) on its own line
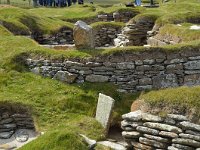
point(4, 31)
point(186, 100)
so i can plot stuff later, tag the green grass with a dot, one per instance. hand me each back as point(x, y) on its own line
point(183, 32)
point(183, 99)
point(4, 31)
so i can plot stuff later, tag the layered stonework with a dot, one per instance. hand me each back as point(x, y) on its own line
point(145, 131)
point(131, 71)
point(12, 120)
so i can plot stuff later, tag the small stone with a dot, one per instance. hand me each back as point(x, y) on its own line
point(132, 134)
point(147, 130)
point(65, 76)
point(168, 134)
point(187, 142)
point(6, 135)
point(141, 146)
point(157, 138)
point(133, 116)
point(170, 121)
point(163, 127)
point(190, 126)
point(21, 135)
point(189, 136)
point(6, 121)
point(182, 147)
point(152, 143)
point(177, 117)
point(96, 78)
point(149, 117)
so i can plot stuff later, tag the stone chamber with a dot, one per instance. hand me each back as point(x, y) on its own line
point(16, 126)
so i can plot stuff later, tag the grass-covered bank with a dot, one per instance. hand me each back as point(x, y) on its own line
point(185, 100)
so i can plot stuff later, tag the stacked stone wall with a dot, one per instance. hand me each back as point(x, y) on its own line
point(105, 36)
point(131, 71)
point(12, 120)
point(144, 131)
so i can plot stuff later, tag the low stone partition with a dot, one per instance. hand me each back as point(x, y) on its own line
point(104, 36)
point(131, 71)
point(144, 131)
point(12, 120)
point(135, 33)
point(61, 37)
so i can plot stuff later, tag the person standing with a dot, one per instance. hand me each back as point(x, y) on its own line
point(138, 2)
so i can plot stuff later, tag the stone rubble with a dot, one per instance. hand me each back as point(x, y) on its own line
point(153, 134)
point(134, 34)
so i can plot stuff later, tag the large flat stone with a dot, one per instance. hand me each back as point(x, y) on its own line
point(131, 135)
point(96, 78)
point(189, 136)
point(147, 130)
point(104, 110)
point(157, 138)
point(163, 127)
point(168, 134)
point(133, 116)
point(190, 126)
point(182, 147)
point(187, 142)
point(152, 143)
point(192, 65)
point(141, 146)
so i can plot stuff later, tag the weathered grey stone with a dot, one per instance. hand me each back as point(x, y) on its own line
point(96, 78)
point(145, 81)
point(8, 126)
point(141, 146)
point(182, 147)
point(125, 65)
point(168, 134)
point(163, 127)
point(187, 142)
point(133, 116)
point(144, 87)
point(132, 134)
point(157, 138)
point(193, 79)
point(172, 148)
point(152, 143)
point(192, 65)
point(149, 61)
point(177, 117)
point(170, 121)
point(6, 121)
point(65, 76)
point(83, 35)
point(35, 70)
point(149, 117)
point(165, 81)
point(112, 145)
point(192, 132)
point(104, 110)
point(189, 136)
point(190, 126)
point(21, 135)
point(6, 135)
point(147, 130)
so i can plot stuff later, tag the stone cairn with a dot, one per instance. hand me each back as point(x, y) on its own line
point(134, 34)
point(10, 122)
point(143, 131)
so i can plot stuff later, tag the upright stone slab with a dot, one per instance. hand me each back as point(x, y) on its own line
point(83, 35)
point(104, 110)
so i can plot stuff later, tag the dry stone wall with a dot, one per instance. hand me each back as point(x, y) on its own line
point(131, 71)
point(144, 131)
point(11, 120)
point(104, 36)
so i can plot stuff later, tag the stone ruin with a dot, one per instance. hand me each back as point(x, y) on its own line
point(144, 131)
point(16, 127)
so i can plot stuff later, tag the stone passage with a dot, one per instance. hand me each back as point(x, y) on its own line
point(131, 71)
point(12, 120)
point(149, 132)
